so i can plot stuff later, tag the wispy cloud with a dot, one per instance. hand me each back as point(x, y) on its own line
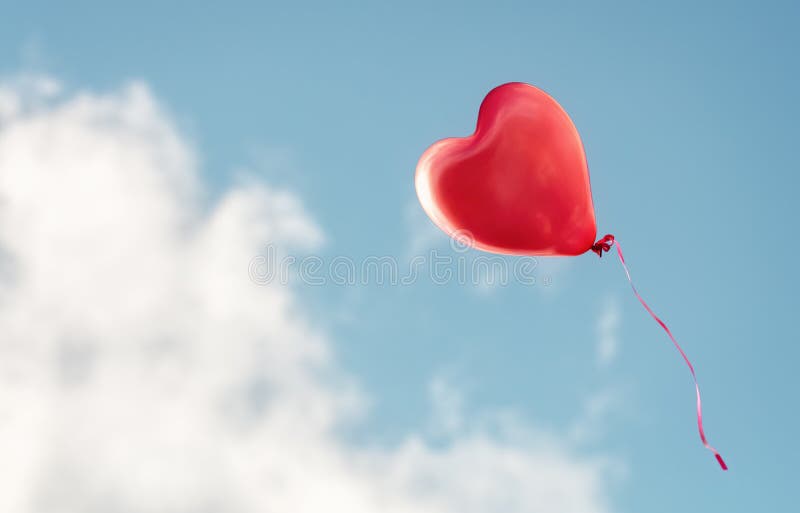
point(590, 425)
point(597, 406)
point(447, 402)
point(141, 370)
point(607, 330)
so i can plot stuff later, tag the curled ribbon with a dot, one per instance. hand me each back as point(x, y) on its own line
point(605, 244)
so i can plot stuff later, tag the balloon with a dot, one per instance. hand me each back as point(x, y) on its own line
point(519, 185)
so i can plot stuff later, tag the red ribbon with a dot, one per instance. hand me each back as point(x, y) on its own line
point(605, 244)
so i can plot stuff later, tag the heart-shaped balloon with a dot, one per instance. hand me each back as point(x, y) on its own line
point(519, 185)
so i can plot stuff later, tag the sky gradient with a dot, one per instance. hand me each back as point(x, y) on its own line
point(688, 116)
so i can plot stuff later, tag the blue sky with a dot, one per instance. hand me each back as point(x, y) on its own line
point(688, 116)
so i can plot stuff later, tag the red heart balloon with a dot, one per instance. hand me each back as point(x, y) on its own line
point(519, 185)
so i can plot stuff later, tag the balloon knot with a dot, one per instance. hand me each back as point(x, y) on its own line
point(603, 244)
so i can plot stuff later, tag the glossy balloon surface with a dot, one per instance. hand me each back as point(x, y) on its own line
point(519, 185)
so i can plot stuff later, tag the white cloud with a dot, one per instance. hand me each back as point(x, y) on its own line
point(591, 424)
point(597, 406)
point(141, 371)
point(607, 330)
point(26, 89)
point(448, 406)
